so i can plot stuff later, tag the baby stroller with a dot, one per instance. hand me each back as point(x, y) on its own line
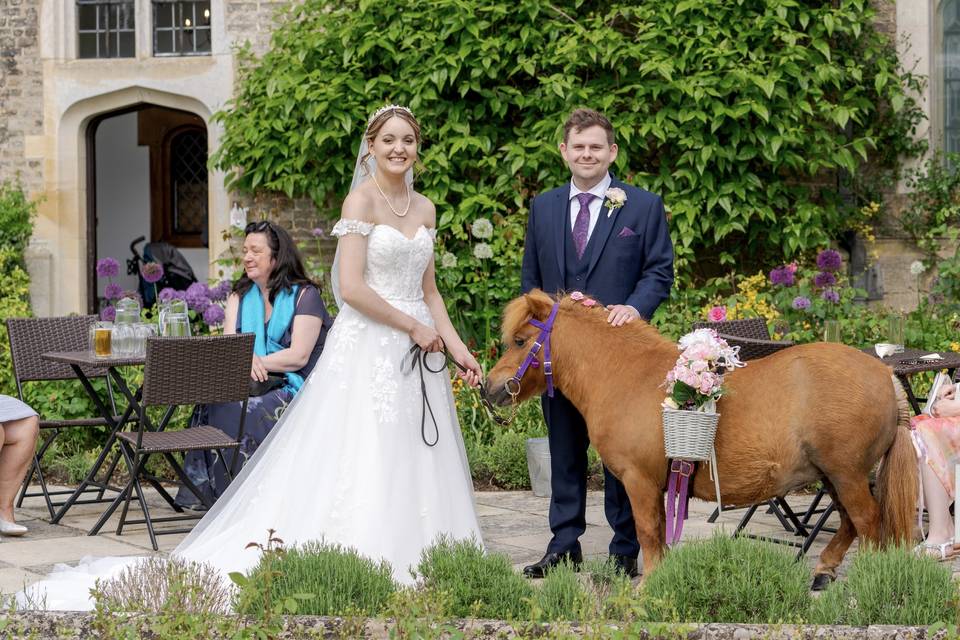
point(177, 272)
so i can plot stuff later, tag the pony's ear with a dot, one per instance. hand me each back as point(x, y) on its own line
point(539, 304)
point(535, 304)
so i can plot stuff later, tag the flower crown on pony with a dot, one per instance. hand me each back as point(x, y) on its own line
point(390, 107)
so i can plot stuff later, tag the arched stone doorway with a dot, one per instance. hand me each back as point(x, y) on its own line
point(147, 179)
point(65, 224)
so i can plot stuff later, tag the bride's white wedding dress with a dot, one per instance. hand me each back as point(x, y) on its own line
point(347, 462)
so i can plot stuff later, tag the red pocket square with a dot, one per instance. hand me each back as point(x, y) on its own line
point(626, 232)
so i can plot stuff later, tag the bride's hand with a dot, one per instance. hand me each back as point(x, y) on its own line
point(474, 373)
point(427, 337)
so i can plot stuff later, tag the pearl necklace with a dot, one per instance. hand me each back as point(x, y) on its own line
point(390, 204)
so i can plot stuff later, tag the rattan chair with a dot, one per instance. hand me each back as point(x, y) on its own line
point(29, 339)
point(183, 371)
point(753, 338)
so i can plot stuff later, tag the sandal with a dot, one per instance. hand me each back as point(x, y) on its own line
point(939, 552)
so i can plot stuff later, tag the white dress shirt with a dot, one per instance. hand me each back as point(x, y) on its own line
point(600, 191)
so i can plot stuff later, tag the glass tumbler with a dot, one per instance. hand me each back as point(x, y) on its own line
point(176, 325)
point(895, 330)
point(101, 342)
point(831, 331)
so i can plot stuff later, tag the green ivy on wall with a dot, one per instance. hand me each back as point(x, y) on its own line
point(748, 116)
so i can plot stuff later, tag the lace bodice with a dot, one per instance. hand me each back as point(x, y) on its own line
point(395, 263)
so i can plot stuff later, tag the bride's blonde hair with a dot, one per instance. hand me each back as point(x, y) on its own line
point(376, 122)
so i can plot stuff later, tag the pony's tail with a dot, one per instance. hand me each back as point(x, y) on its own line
point(898, 480)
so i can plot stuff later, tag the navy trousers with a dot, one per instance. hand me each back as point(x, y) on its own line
point(568, 437)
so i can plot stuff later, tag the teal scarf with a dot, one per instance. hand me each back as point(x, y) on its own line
point(267, 342)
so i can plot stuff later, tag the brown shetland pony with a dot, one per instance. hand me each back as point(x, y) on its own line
point(812, 412)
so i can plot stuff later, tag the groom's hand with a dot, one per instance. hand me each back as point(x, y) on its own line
point(621, 314)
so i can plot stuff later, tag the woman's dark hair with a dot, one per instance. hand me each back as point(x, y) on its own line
point(288, 265)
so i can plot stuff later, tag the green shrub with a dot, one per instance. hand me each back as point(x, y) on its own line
point(506, 460)
point(893, 586)
point(560, 596)
point(16, 216)
point(332, 580)
point(478, 584)
point(728, 580)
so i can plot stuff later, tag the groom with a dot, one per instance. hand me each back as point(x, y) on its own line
point(622, 256)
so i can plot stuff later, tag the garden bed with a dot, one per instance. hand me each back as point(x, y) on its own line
point(83, 625)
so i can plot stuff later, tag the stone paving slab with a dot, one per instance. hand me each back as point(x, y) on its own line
point(513, 522)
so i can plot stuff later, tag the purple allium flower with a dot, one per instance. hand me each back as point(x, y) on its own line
point(317, 232)
point(152, 272)
point(782, 276)
point(108, 268)
point(213, 315)
point(108, 313)
point(800, 303)
point(824, 279)
point(830, 296)
point(220, 292)
point(112, 291)
point(829, 260)
point(198, 297)
point(167, 294)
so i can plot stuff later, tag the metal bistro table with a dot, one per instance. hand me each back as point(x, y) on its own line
point(77, 360)
point(908, 362)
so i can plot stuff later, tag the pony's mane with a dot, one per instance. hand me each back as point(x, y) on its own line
point(517, 314)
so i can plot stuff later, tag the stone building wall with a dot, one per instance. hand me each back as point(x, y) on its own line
point(21, 90)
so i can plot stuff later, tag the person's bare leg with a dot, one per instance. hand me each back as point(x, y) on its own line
point(937, 502)
point(18, 441)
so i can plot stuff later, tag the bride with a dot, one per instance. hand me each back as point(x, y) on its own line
point(353, 460)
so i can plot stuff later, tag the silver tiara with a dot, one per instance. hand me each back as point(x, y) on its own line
point(390, 107)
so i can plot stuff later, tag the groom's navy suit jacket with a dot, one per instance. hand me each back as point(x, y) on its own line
point(627, 260)
point(633, 267)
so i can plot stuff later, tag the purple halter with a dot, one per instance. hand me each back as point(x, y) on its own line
point(542, 341)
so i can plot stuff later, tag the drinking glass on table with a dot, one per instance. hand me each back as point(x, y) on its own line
point(176, 325)
point(101, 339)
point(143, 330)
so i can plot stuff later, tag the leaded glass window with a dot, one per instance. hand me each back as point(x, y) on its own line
point(105, 29)
point(188, 179)
point(951, 75)
point(181, 27)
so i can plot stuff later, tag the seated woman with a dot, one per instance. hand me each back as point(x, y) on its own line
point(275, 300)
point(19, 426)
point(940, 434)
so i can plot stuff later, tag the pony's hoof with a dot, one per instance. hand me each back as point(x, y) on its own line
point(821, 581)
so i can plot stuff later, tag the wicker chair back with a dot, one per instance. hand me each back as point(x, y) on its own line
point(197, 370)
point(32, 337)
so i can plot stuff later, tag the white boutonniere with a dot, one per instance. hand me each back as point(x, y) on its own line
point(615, 198)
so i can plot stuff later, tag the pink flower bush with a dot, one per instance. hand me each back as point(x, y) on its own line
point(697, 377)
point(717, 314)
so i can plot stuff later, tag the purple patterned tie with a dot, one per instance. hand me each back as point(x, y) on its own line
point(581, 228)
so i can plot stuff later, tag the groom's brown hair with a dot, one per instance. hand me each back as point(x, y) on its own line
point(582, 119)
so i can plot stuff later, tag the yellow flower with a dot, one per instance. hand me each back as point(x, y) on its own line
point(955, 346)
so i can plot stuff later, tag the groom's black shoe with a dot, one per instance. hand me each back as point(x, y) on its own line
point(625, 564)
point(550, 560)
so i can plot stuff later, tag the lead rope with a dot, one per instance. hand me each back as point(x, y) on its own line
point(418, 360)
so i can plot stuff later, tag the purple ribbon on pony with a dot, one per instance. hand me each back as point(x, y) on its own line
point(678, 485)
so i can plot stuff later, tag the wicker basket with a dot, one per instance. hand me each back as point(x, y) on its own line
point(688, 435)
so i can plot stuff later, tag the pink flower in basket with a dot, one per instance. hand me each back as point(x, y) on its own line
point(717, 314)
point(696, 379)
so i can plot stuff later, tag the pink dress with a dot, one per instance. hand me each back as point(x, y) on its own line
point(941, 437)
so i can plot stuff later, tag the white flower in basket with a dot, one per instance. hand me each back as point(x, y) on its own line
point(693, 387)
